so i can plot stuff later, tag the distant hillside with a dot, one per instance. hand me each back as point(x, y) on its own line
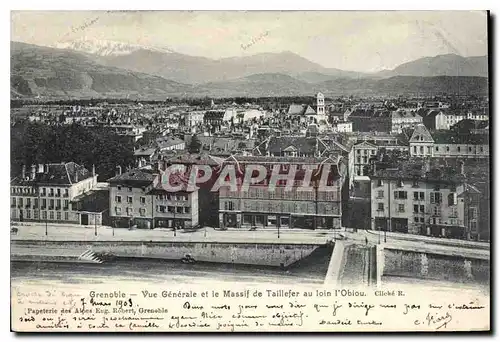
point(56, 73)
point(283, 85)
point(444, 65)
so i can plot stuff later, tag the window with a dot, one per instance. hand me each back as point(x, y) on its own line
point(421, 150)
point(422, 208)
point(452, 199)
point(58, 215)
point(58, 192)
point(58, 204)
point(118, 199)
point(66, 204)
point(401, 208)
point(380, 207)
point(422, 195)
point(359, 160)
point(171, 209)
point(470, 149)
point(481, 149)
point(35, 214)
point(472, 213)
point(129, 199)
point(415, 195)
point(142, 212)
point(447, 148)
point(51, 215)
point(228, 205)
point(437, 211)
point(400, 184)
point(435, 197)
point(143, 200)
point(458, 148)
point(380, 194)
point(179, 210)
point(400, 195)
point(129, 189)
point(66, 216)
point(415, 219)
point(119, 188)
point(187, 210)
point(44, 215)
point(415, 208)
point(130, 211)
point(13, 202)
point(437, 148)
point(422, 220)
point(44, 203)
point(414, 149)
point(118, 210)
point(28, 214)
point(380, 182)
point(66, 193)
point(20, 204)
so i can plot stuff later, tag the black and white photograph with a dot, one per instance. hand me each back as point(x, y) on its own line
point(250, 171)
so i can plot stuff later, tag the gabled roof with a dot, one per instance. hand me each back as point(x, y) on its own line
point(137, 176)
point(56, 174)
point(421, 134)
point(365, 144)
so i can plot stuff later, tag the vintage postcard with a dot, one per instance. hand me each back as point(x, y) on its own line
point(261, 171)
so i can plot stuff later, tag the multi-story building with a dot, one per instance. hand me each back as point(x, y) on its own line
point(391, 121)
point(446, 144)
point(363, 151)
point(479, 115)
point(342, 127)
point(420, 142)
point(261, 206)
point(416, 199)
point(402, 119)
point(47, 193)
point(138, 198)
point(439, 119)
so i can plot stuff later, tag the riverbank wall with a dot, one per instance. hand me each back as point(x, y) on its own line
point(262, 254)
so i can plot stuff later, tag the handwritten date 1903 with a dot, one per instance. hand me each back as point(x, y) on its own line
point(120, 303)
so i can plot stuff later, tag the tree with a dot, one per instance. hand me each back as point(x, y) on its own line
point(194, 145)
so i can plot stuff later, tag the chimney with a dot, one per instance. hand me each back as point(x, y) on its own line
point(33, 171)
point(118, 170)
point(23, 172)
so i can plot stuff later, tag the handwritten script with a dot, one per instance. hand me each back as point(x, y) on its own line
point(242, 309)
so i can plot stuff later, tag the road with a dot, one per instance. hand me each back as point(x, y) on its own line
point(63, 232)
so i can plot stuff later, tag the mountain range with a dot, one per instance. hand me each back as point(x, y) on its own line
point(85, 68)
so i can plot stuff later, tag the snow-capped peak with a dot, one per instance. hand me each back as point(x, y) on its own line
point(105, 47)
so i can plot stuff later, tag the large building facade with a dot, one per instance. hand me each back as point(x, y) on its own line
point(48, 193)
point(420, 201)
point(138, 199)
point(263, 207)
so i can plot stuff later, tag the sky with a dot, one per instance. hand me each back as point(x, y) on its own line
point(349, 40)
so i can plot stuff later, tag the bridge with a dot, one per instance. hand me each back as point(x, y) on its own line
point(362, 259)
